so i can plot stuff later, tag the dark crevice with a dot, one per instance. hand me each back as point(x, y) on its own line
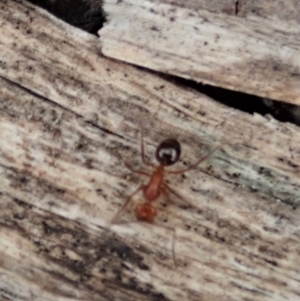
point(85, 14)
point(248, 103)
point(236, 7)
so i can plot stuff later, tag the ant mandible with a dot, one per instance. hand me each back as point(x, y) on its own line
point(167, 153)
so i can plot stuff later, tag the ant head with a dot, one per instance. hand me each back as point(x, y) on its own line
point(168, 152)
point(145, 212)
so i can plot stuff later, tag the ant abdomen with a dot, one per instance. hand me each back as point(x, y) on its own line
point(145, 212)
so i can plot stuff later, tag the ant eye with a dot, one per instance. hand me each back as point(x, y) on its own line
point(168, 152)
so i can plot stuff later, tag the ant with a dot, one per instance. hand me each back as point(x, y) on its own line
point(167, 153)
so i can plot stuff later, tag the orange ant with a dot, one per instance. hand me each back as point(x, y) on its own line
point(167, 153)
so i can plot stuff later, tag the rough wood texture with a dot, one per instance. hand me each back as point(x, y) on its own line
point(285, 10)
point(224, 6)
point(257, 55)
point(69, 118)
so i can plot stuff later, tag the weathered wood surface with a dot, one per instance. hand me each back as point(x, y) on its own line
point(284, 10)
point(256, 55)
point(68, 120)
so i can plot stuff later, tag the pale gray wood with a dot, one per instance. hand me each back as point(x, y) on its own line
point(224, 6)
point(288, 10)
point(256, 55)
point(69, 118)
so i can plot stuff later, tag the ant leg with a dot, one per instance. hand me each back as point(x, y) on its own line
point(173, 247)
point(173, 241)
point(139, 171)
point(113, 221)
point(166, 186)
point(194, 165)
point(143, 151)
point(165, 192)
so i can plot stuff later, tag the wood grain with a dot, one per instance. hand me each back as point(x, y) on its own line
point(256, 55)
point(69, 118)
point(281, 9)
